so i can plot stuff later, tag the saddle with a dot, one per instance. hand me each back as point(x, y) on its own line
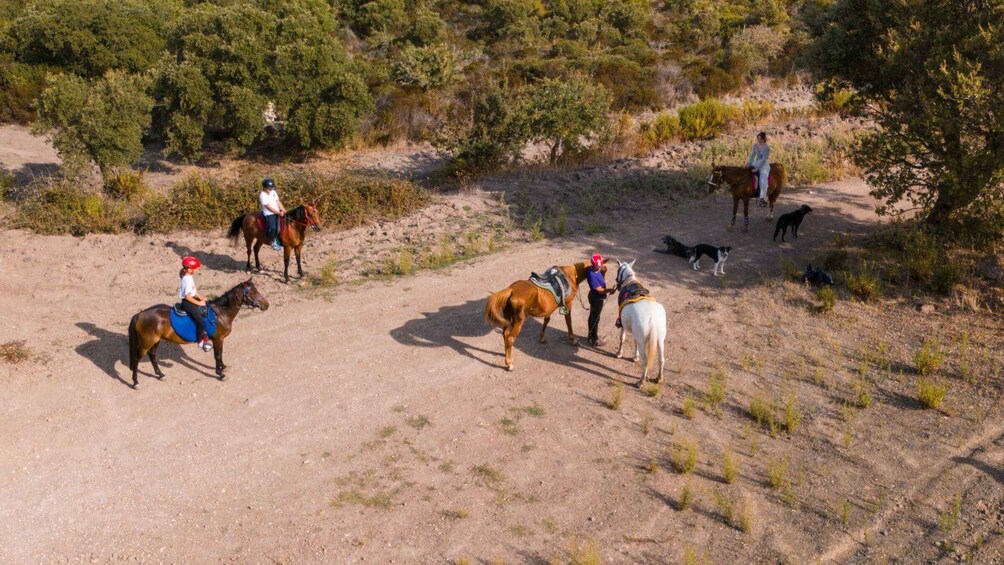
point(632, 292)
point(259, 216)
point(183, 325)
point(554, 280)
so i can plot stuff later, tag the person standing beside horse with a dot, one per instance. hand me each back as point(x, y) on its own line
point(598, 292)
point(759, 165)
point(192, 302)
point(272, 209)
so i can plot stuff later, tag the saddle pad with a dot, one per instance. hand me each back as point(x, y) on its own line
point(632, 300)
point(756, 182)
point(260, 217)
point(185, 327)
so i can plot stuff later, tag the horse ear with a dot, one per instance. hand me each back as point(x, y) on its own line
point(631, 264)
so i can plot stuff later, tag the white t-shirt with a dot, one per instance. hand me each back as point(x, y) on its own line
point(187, 287)
point(271, 198)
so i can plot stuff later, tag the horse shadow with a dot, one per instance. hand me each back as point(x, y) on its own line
point(450, 325)
point(215, 261)
point(108, 349)
point(445, 327)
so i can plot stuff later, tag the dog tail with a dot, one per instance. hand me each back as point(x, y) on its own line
point(496, 306)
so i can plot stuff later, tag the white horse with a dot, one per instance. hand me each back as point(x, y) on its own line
point(646, 320)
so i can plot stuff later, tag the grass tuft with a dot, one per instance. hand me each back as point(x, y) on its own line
point(686, 496)
point(689, 408)
point(15, 351)
point(730, 469)
point(929, 358)
point(684, 456)
point(616, 396)
point(931, 393)
point(419, 422)
point(777, 474)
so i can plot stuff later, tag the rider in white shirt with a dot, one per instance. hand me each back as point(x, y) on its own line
point(192, 302)
point(272, 209)
point(759, 163)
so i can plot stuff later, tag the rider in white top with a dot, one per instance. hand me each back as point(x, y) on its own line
point(272, 209)
point(759, 163)
point(191, 300)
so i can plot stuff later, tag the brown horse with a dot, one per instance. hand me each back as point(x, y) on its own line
point(149, 327)
point(740, 181)
point(508, 308)
point(291, 236)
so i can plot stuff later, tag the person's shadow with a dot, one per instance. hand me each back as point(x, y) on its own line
point(108, 349)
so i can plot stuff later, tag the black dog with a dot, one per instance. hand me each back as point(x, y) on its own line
point(674, 247)
point(817, 276)
point(793, 219)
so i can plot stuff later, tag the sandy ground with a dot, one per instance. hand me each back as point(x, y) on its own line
point(373, 422)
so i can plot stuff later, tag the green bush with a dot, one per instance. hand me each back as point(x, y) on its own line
point(426, 68)
point(61, 208)
point(827, 298)
point(100, 122)
point(864, 285)
point(706, 119)
point(663, 128)
point(125, 185)
point(756, 111)
point(343, 201)
point(20, 85)
point(562, 113)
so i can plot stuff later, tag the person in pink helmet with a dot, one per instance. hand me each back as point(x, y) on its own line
point(598, 292)
point(192, 302)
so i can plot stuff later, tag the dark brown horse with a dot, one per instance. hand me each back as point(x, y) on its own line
point(740, 181)
point(508, 308)
point(148, 328)
point(291, 235)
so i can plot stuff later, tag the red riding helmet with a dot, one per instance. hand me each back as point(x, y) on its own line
point(191, 263)
point(598, 261)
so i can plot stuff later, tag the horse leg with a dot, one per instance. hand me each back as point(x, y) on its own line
point(153, 359)
point(543, 339)
point(621, 344)
point(735, 208)
point(257, 262)
point(746, 215)
point(510, 338)
point(218, 354)
point(135, 366)
point(571, 336)
point(299, 268)
point(285, 261)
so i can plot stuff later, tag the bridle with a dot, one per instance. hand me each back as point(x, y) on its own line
point(246, 299)
point(310, 221)
point(711, 179)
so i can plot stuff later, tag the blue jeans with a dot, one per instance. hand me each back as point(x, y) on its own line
point(272, 226)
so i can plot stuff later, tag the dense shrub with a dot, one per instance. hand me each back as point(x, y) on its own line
point(100, 122)
point(706, 119)
point(20, 84)
point(91, 37)
point(663, 128)
point(564, 113)
point(61, 207)
point(425, 68)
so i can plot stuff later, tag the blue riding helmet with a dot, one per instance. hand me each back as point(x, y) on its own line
point(267, 182)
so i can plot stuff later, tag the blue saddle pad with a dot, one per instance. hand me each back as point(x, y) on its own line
point(185, 327)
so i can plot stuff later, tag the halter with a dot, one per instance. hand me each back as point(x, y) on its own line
point(309, 222)
point(711, 180)
point(245, 299)
point(624, 274)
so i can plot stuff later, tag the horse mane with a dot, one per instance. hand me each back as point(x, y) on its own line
point(298, 213)
point(228, 296)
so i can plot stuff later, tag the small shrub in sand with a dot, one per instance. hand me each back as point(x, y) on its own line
point(15, 351)
point(684, 456)
point(730, 469)
point(929, 358)
point(931, 393)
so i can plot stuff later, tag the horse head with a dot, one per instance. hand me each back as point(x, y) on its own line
point(625, 271)
point(716, 179)
point(313, 216)
point(251, 296)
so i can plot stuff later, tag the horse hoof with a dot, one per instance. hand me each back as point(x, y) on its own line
point(508, 367)
point(160, 377)
point(542, 340)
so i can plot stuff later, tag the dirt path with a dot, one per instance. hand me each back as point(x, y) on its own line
point(373, 423)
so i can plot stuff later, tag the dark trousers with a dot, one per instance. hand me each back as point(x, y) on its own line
point(194, 312)
point(595, 309)
point(272, 226)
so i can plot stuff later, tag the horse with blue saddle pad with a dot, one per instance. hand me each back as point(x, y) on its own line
point(509, 307)
point(158, 323)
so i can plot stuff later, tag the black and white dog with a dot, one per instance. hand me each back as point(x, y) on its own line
point(719, 254)
point(694, 254)
point(791, 219)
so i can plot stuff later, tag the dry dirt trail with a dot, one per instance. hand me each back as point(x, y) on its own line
point(374, 423)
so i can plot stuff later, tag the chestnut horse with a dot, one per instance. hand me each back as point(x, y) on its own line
point(508, 308)
point(149, 327)
point(291, 236)
point(740, 181)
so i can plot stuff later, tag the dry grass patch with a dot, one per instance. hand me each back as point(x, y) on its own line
point(689, 408)
point(792, 414)
point(931, 393)
point(730, 469)
point(684, 456)
point(15, 351)
point(948, 518)
point(381, 500)
point(929, 358)
point(652, 390)
point(686, 496)
point(777, 474)
point(716, 392)
point(455, 514)
point(419, 422)
point(616, 396)
point(487, 473)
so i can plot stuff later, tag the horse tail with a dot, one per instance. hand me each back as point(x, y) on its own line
point(655, 342)
point(235, 227)
point(495, 308)
point(133, 343)
point(781, 176)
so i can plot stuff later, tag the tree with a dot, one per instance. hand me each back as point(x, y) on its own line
point(563, 113)
point(931, 73)
point(101, 121)
point(91, 37)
